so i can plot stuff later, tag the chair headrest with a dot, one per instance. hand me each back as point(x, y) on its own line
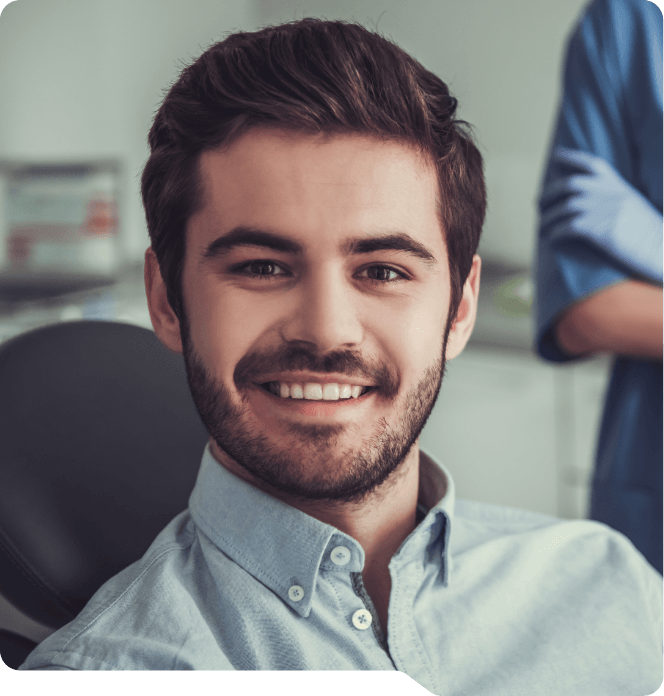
point(100, 447)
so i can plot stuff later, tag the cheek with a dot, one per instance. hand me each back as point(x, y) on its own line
point(413, 341)
point(425, 335)
point(222, 331)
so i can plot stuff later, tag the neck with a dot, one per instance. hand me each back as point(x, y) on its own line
point(379, 523)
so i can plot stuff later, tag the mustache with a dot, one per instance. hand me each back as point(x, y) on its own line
point(287, 358)
point(300, 359)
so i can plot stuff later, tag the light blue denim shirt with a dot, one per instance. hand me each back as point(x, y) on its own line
point(484, 599)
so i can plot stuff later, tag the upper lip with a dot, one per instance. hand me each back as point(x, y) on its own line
point(304, 377)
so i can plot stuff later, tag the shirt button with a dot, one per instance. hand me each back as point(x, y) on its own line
point(362, 619)
point(340, 556)
point(296, 593)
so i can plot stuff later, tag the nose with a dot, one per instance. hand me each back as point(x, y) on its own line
point(325, 315)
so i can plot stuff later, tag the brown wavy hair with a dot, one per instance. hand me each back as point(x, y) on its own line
point(310, 76)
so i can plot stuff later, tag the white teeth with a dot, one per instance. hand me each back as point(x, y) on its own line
point(313, 391)
point(330, 391)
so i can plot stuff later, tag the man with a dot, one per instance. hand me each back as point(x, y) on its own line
point(314, 210)
point(600, 251)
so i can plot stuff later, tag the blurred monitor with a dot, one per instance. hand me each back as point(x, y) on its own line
point(59, 226)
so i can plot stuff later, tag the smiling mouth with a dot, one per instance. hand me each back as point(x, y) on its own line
point(266, 386)
point(310, 391)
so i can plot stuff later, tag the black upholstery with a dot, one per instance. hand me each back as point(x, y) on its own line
point(14, 648)
point(100, 445)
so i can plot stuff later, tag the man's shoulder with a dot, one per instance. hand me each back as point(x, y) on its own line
point(478, 523)
point(576, 592)
point(491, 513)
point(575, 550)
point(142, 617)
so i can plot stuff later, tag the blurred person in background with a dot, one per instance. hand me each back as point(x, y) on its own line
point(599, 283)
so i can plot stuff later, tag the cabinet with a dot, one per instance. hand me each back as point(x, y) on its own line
point(516, 431)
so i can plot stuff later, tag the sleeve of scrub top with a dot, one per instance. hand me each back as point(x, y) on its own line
point(596, 227)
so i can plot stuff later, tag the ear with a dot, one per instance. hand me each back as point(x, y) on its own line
point(465, 318)
point(164, 321)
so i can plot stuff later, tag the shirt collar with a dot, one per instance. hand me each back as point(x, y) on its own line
point(436, 498)
point(283, 547)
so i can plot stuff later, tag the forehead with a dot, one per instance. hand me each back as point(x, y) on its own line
point(318, 189)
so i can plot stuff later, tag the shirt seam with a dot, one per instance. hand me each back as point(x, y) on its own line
point(414, 636)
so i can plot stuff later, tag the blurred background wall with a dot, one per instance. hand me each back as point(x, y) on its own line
point(81, 79)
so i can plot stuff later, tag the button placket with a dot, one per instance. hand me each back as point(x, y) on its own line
point(362, 619)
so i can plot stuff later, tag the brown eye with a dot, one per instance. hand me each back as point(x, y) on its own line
point(383, 274)
point(260, 269)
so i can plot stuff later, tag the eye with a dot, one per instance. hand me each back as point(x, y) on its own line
point(263, 269)
point(383, 274)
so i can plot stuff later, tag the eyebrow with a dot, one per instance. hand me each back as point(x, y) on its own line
point(243, 236)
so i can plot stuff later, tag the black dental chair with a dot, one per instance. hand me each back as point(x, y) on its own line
point(100, 445)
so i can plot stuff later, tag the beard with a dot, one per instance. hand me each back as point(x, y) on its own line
point(309, 461)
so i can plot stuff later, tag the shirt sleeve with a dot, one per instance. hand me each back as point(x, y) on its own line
point(598, 225)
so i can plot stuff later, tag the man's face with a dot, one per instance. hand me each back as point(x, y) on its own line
point(315, 268)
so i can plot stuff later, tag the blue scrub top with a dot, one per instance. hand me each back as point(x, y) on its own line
point(601, 223)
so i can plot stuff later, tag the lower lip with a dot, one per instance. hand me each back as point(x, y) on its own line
point(319, 409)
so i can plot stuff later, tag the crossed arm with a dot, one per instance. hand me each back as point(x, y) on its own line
point(623, 319)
